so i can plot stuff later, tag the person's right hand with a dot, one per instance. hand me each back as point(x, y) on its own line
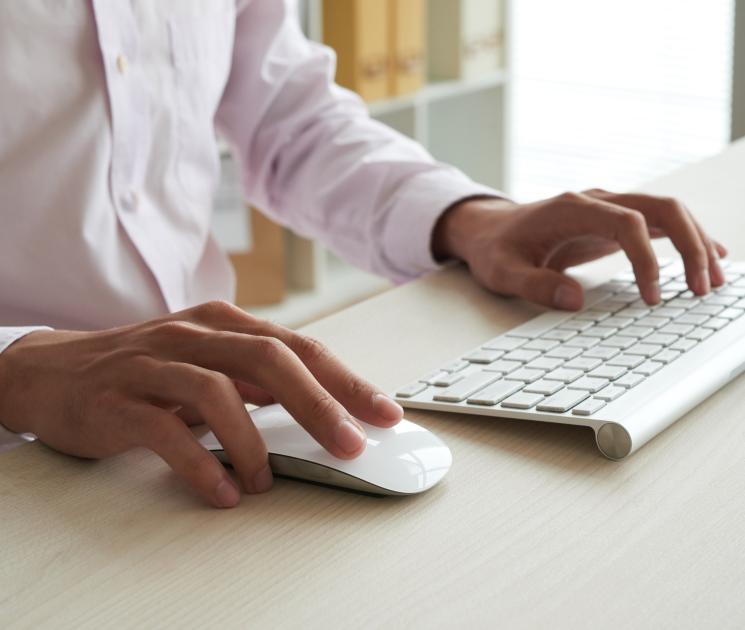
point(96, 394)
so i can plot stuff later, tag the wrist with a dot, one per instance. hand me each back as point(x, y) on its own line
point(460, 223)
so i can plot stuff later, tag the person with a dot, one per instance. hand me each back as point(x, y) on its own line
point(117, 328)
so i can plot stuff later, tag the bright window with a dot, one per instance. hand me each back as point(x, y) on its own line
point(611, 94)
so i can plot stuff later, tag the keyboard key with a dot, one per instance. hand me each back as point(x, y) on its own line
point(609, 372)
point(739, 304)
point(639, 332)
point(601, 352)
point(502, 366)
point(720, 300)
point(446, 379)
point(544, 387)
point(661, 339)
point(692, 319)
point(433, 376)
point(564, 375)
point(540, 344)
point(644, 349)
point(629, 380)
point(563, 401)
point(610, 393)
point(653, 321)
point(577, 325)
point(494, 393)
point(601, 332)
point(715, 323)
point(583, 363)
point(544, 363)
point(618, 322)
point(483, 356)
point(629, 361)
point(526, 375)
point(636, 313)
point(610, 306)
point(466, 387)
point(582, 341)
point(700, 334)
point(564, 352)
point(648, 368)
point(588, 407)
point(522, 400)
point(706, 309)
point(669, 311)
point(455, 366)
point(411, 390)
point(504, 343)
point(521, 355)
point(683, 345)
point(588, 383)
point(731, 313)
point(676, 329)
point(559, 335)
point(667, 356)
point(592, 315)
point(618, 341)
point(684, 302)
point(729, 290)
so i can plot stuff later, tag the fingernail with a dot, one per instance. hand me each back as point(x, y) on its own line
point(653, 292)
point(386, 408)
point(263, 480)
point(702, 282)
point(227, 494)
point(568, 298)
point(349, 437)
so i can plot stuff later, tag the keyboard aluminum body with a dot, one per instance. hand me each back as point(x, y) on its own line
point(689, 348)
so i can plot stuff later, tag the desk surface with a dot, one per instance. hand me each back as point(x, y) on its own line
point(532, 528)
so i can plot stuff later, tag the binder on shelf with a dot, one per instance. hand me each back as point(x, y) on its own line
point(466, 38)
point(358, 31)
point(407, 46)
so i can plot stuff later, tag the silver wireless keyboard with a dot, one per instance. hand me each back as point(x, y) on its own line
point(619, 366)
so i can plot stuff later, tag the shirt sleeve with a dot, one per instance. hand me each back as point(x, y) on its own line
point(313, 159)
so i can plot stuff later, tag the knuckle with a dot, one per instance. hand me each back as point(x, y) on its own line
point(570, 198)
point(270, 349)
point(310, 349)
point(634, 221)
point(211, 385)
point(219, 310)
point(176, 329)
point(323, 406)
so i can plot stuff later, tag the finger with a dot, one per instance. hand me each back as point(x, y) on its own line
point(716, 275)
point(721, 249)
point(214, 397)
point(165, 434)
point(542, 286)
point(580, 215)
point(360, 397)
point(269, 364)
point(670, 215)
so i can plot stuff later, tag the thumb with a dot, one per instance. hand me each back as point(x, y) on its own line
point(545, 286)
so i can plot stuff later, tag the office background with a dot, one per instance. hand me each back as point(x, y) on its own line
point(533, 97)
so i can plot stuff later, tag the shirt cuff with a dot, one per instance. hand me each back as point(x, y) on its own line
point(408, 231)
point(11, 335)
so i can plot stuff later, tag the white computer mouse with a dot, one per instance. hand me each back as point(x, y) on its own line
point(405, 459)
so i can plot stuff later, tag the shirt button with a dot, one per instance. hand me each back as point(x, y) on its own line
point(130, 201)
point(122, 64)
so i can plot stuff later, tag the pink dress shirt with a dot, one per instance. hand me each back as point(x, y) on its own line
point(108, 158)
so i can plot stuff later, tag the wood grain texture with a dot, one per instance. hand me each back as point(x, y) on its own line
point(532, 527)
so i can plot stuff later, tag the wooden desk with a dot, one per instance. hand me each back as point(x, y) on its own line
point(532, 528)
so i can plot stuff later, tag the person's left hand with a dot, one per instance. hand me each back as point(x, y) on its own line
point(522, 250)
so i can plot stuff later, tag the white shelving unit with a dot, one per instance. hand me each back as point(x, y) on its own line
point(461, 122)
